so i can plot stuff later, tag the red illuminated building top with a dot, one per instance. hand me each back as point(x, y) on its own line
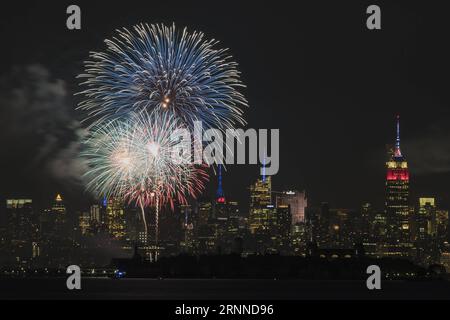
point(397, 174)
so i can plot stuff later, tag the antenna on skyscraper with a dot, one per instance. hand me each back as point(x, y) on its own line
point(398, 153)
point(264, 167)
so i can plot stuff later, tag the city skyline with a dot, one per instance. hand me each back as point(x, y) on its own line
point(277, 222)
point(224, 158)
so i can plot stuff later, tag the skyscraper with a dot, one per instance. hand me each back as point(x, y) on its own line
point(225, 220)
point(204, 212)
point(263, 220)
point(442, 225)
point(57, 236)
point(262, 210)
point(115, 218)
point(426, 240)
point(21, 229)
point(220, 212)
point(365, 223)
point(296, 201)
point(19, 216)
point(58, 205)
point(95, 214)
point(53, 220)
point(397, 193)
point(206, 229)
point(283, 227)
point(59, 213)
point(188, 243)
point(426, 215)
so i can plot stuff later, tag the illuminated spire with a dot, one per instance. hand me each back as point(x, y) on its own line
point(58, 205)
point(397, 152)
point(264, 168)
point(220, 196)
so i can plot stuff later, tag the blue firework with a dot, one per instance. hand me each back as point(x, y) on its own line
point(156, 68)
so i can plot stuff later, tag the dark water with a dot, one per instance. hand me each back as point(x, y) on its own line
point(196, 289)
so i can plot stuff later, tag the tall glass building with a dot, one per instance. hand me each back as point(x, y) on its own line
point(397, 195)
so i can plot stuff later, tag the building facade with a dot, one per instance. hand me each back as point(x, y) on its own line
point(397, 199)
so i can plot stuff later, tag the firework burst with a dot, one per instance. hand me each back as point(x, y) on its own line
point(136, 160)
point(155, 68)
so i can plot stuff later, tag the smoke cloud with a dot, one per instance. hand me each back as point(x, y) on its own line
point(429, 152)
point(40, 136)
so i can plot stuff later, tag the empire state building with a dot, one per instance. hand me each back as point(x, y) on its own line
point(397, 193)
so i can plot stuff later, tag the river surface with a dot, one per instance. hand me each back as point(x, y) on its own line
point(230, 289)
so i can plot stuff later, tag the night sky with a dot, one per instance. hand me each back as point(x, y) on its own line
point(313, 70)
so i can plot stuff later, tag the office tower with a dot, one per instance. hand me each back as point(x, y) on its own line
point(297, 202)
point(58, 205)
point(442, 225)
point(262, 211)
point(368, 229)
point(115, 218)
point(147, 244)
point(220, 210)
point(312, 224)
point(234, 221)
point(21, 230)
point(204, 212)
point(379, 227)
point(133, 224)
point(444, 258)
point(221, 215)
point(284, 225)
point(95, 214)
point(427, 246)
point(425, 232)
point(57, 237)
point(334, 228)
point(35, 250)
point(20, 215)
point(3, 240)
point(225, 218)
point(425, 219)
point(397, 193)
point(367, 216)
point(206, 228)
point(188, 242)
point(85, 223)
point(263, 222)
point(299, 238)
point(172, 230)
point(59, 216)
point(341, 231)
point(322, 225)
